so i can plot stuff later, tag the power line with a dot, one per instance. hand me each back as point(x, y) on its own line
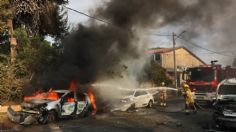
point(155, 34)
point(161, 35)
point(198, 46)
point(95, 18)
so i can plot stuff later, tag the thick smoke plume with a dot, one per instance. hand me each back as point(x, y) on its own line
point(97, 51)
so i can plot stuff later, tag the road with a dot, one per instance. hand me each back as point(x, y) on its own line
point(156, 119)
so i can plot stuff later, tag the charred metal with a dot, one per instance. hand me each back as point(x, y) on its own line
point(44, 110)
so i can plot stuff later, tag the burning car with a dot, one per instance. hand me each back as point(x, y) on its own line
point(44, 107)
point(134, 99)
point(225, 105)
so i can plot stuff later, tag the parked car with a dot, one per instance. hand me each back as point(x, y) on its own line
point(134, 99)
point(50, 106)
point(225, 105)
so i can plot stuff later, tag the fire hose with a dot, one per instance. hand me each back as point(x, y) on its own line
point(178, 111)
point(181, 110)
point(148, 89)
point(195, 105)
point(199, 106)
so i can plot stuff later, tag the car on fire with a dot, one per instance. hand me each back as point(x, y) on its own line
point(225, 105)
point(45, 107)
point(134, 99)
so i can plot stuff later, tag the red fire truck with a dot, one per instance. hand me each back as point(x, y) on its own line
point(203, 80)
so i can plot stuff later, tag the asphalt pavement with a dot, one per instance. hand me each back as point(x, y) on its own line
point(156, 119)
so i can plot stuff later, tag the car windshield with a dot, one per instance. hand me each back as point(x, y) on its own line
point(60, 94)
point(127, 93)
point(227, 90)
point(200, 74)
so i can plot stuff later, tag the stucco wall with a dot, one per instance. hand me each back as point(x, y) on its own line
point(183, 59)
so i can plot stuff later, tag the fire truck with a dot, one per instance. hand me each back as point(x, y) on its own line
point(203, 80)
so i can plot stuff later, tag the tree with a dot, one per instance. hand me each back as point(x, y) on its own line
point(154, 73)
point(5, 13)
point(13, 77)
point(34, 56)
point(32, 19)
point(41, 17)
point(35, 53)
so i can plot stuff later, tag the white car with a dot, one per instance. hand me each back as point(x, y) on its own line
point(134, 99)
point(225, 105)
point(49, 106)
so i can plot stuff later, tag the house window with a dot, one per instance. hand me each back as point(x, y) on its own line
point(157, 57)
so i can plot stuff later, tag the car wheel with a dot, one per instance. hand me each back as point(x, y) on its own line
point(150, 104)
point(52, 116)
point(132, 107)
point(46, 117)
point(42, 118)
point(86, 112)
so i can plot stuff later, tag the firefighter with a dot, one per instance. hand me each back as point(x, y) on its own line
point(163, 95)
point(189, 99)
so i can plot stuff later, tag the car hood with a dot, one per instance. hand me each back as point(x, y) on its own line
point(226, 97)
point(38, 101)
point(34, 103)
point(225, 104)
point(127, 97)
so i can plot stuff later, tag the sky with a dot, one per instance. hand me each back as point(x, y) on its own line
point(87, 6)
point(84, 6)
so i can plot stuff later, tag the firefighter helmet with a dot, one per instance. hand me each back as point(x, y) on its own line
point(185, 86)
point(162, 83)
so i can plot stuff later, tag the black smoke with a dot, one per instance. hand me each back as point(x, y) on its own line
point(98, 49)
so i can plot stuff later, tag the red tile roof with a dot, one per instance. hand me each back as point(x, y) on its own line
point(165, 50)
point(161, 50)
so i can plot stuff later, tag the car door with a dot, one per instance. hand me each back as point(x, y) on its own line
point(146, 98)
point(138, 99)
point(141, 98)
point(82, 102)
point(68, 104)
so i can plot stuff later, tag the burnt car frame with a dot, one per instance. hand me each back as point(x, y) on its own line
point(69, 104)
point(224, 114)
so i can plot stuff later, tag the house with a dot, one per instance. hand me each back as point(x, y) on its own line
point(184, 58)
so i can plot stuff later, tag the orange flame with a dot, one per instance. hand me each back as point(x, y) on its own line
point(51, 95)
point(93, 101)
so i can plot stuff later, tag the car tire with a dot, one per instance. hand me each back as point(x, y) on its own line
point(47, 117)
point(150, 104)
point(132, 107)
point(86, 112)
point(52, 116)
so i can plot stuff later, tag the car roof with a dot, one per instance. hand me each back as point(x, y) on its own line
point(62, 91)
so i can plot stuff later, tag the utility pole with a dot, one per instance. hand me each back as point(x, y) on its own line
point(174, 57)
